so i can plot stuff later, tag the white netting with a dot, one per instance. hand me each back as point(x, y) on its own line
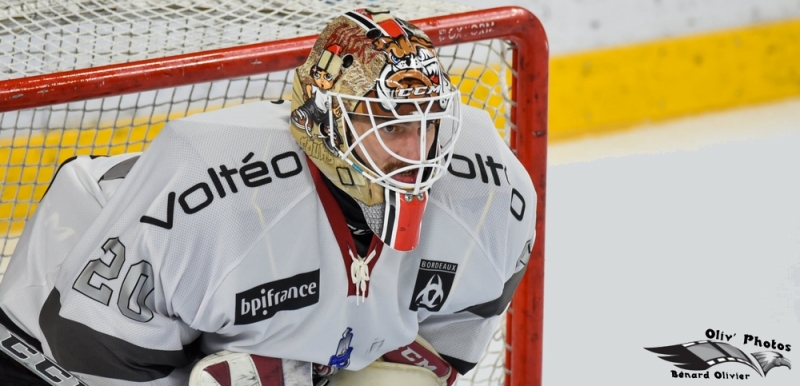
point(44, 37)
point(51, 36)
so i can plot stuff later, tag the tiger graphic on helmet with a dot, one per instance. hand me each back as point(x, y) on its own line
point(412, 69)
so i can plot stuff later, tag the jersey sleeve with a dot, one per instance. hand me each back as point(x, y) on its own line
point(78, 192)
point(489, 187)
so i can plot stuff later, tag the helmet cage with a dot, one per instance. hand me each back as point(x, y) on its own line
point(444, 110)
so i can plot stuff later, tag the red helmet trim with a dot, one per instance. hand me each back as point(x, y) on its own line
point(392, 28)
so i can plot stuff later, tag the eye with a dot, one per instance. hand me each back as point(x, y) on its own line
point(390, 128)
point(328, 76)
point(316, 75)
point(395, 60)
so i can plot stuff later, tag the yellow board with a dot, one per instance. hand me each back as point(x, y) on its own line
point(612, 89)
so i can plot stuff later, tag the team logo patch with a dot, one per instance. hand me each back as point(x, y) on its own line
point(341, 359)
point(264, 301)
point(434, 280)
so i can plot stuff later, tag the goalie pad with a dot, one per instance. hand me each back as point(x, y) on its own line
point(385, 374)
point(227, 368)
point(417, 363)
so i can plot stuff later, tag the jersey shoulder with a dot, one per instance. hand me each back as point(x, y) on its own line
point(263, 115)
point(217, 164)
point(480, 150)
point(488, 191)
point(263, 123)
point(234, 164)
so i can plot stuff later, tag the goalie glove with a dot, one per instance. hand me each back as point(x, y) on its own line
point(227, 368)
point(417, 364)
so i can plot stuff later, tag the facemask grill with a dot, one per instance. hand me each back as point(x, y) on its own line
point(389, 143)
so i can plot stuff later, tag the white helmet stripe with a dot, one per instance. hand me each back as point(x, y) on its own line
point(390, 217)
point(367, 23)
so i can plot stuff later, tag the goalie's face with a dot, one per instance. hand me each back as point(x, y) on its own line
point(392, 148)
point(401, 144)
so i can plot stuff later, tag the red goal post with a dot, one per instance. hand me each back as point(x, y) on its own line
point(528, 114)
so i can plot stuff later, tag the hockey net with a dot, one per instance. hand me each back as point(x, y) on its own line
point(83, 77)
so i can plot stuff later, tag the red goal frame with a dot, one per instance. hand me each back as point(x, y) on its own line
point(529, 90)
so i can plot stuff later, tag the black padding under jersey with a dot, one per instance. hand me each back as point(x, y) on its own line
point(498, 306)
point(66, 161)
point(461, 366)
point(119, 170)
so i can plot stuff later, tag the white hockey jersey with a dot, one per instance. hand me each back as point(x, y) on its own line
point(218, 238)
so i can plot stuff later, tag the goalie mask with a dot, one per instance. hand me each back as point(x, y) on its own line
point(375, 112)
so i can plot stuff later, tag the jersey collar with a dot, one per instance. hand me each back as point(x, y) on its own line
point(344, 239)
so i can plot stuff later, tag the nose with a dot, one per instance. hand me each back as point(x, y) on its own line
point(409, 143)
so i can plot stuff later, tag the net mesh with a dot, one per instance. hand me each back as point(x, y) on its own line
point(44, 37)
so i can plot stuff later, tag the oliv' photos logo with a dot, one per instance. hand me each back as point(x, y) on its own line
point(699, 356)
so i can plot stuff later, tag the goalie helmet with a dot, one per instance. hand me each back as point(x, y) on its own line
point(369, 79)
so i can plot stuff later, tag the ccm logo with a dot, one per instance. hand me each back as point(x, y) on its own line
point(417, 359)
point(416, 91)
point(417, 355)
